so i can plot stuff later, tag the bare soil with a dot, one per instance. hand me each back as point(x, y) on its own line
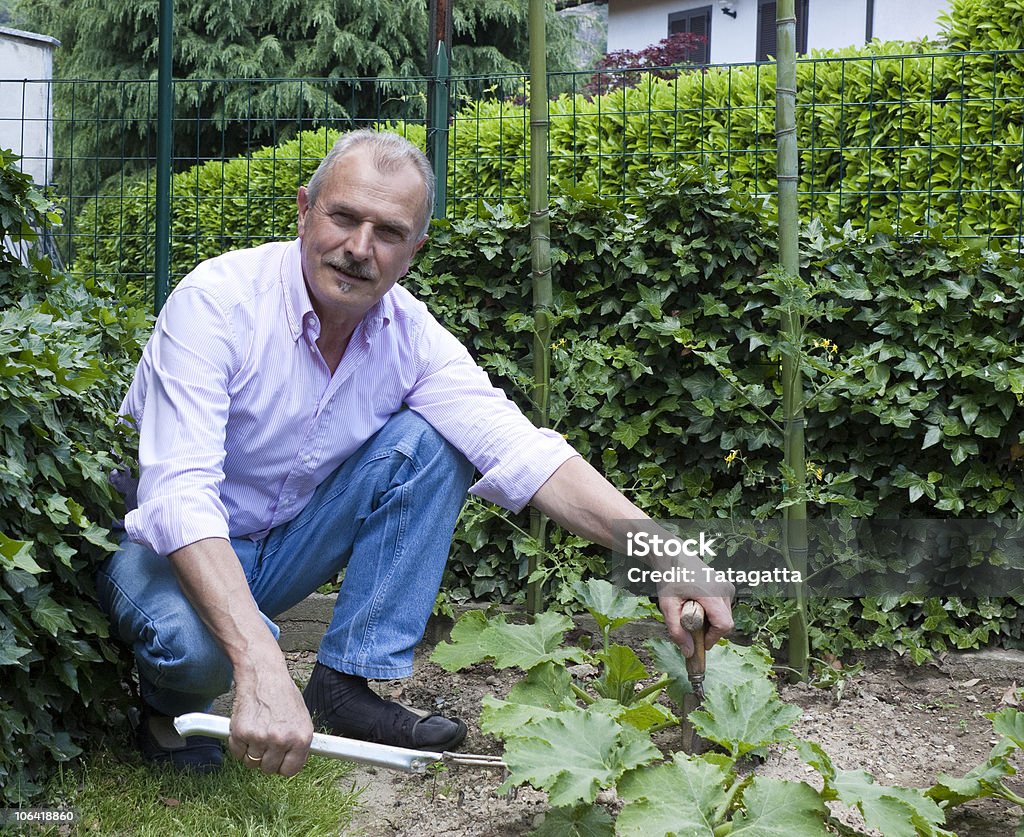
point(903, 724)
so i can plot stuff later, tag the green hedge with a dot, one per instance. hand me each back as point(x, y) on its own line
point(925, 140)
point(922, 140)
point(926, 422)
point(67, 351)
point(922, 417)
point(218, 206)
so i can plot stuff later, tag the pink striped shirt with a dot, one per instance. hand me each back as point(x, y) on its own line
point(240, 419)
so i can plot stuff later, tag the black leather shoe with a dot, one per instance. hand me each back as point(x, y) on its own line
point(160, 743)
point(343, 704)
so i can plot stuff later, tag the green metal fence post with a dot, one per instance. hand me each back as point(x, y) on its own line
point(438, 129)
point(165, 128)
point(439, 99)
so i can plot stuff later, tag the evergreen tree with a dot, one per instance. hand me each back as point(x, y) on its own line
point(364, 53)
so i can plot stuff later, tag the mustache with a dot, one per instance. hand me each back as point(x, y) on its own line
point(352, 268)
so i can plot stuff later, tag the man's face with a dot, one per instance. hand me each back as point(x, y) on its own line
point(359, 238)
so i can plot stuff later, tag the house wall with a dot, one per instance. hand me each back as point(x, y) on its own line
point(635, 24)
point(834, 24)
point(908, 20)
point(831, 24)
point(26, 104)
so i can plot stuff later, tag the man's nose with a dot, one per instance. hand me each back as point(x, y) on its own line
point(359, 241)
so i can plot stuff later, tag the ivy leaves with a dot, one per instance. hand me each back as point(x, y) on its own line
point(667, 358)
point(67, 350)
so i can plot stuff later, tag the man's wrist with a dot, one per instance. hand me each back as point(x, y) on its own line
point(257, 659)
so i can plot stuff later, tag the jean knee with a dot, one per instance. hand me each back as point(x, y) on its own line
point(183, 658)
point(408, 430)
point(415, 437)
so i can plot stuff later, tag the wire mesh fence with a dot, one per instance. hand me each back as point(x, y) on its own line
point(94, 144)
point(908, 141)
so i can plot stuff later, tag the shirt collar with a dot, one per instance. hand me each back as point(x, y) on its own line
point(379, 316)
point(297, 305)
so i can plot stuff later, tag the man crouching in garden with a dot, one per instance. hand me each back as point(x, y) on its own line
point(300, 413)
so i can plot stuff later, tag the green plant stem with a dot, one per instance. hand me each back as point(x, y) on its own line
point(739, 390)
point(839, 376)
point(1009, 795)
point(664, 725)
point(581, 694)
point(723, 809)
point(655, 687)
point(498, 512)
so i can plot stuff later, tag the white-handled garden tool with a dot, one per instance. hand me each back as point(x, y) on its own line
point(336, 747)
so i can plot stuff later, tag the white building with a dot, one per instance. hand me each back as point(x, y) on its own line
point(26, 100)
point(744, 30)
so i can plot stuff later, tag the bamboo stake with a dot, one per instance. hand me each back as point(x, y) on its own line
point(795, 516)
point(540, 257)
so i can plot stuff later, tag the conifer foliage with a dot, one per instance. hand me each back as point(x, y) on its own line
point(278, 42)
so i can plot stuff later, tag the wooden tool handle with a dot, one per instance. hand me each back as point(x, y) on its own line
point(692, 619)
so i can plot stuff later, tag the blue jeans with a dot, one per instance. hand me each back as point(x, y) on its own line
point(387, 514)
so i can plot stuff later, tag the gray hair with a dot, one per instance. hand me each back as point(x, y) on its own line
point(389, 153)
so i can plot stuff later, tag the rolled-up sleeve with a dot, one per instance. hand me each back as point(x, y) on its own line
point(514, 457)
point(180, 402)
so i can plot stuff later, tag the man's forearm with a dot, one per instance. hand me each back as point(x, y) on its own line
point(212, 578)
point(270, 727)
point(578, 498)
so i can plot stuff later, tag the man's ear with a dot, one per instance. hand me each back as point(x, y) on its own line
point(302, 200)
point(415, 250)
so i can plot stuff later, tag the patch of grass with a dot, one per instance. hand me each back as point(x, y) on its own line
point(114, 797)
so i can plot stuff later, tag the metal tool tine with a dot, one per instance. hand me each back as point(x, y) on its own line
point(473, 759)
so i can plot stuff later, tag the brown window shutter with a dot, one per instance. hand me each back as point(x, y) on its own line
point(697, 22)
point(766, 40)
point(765, 30)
